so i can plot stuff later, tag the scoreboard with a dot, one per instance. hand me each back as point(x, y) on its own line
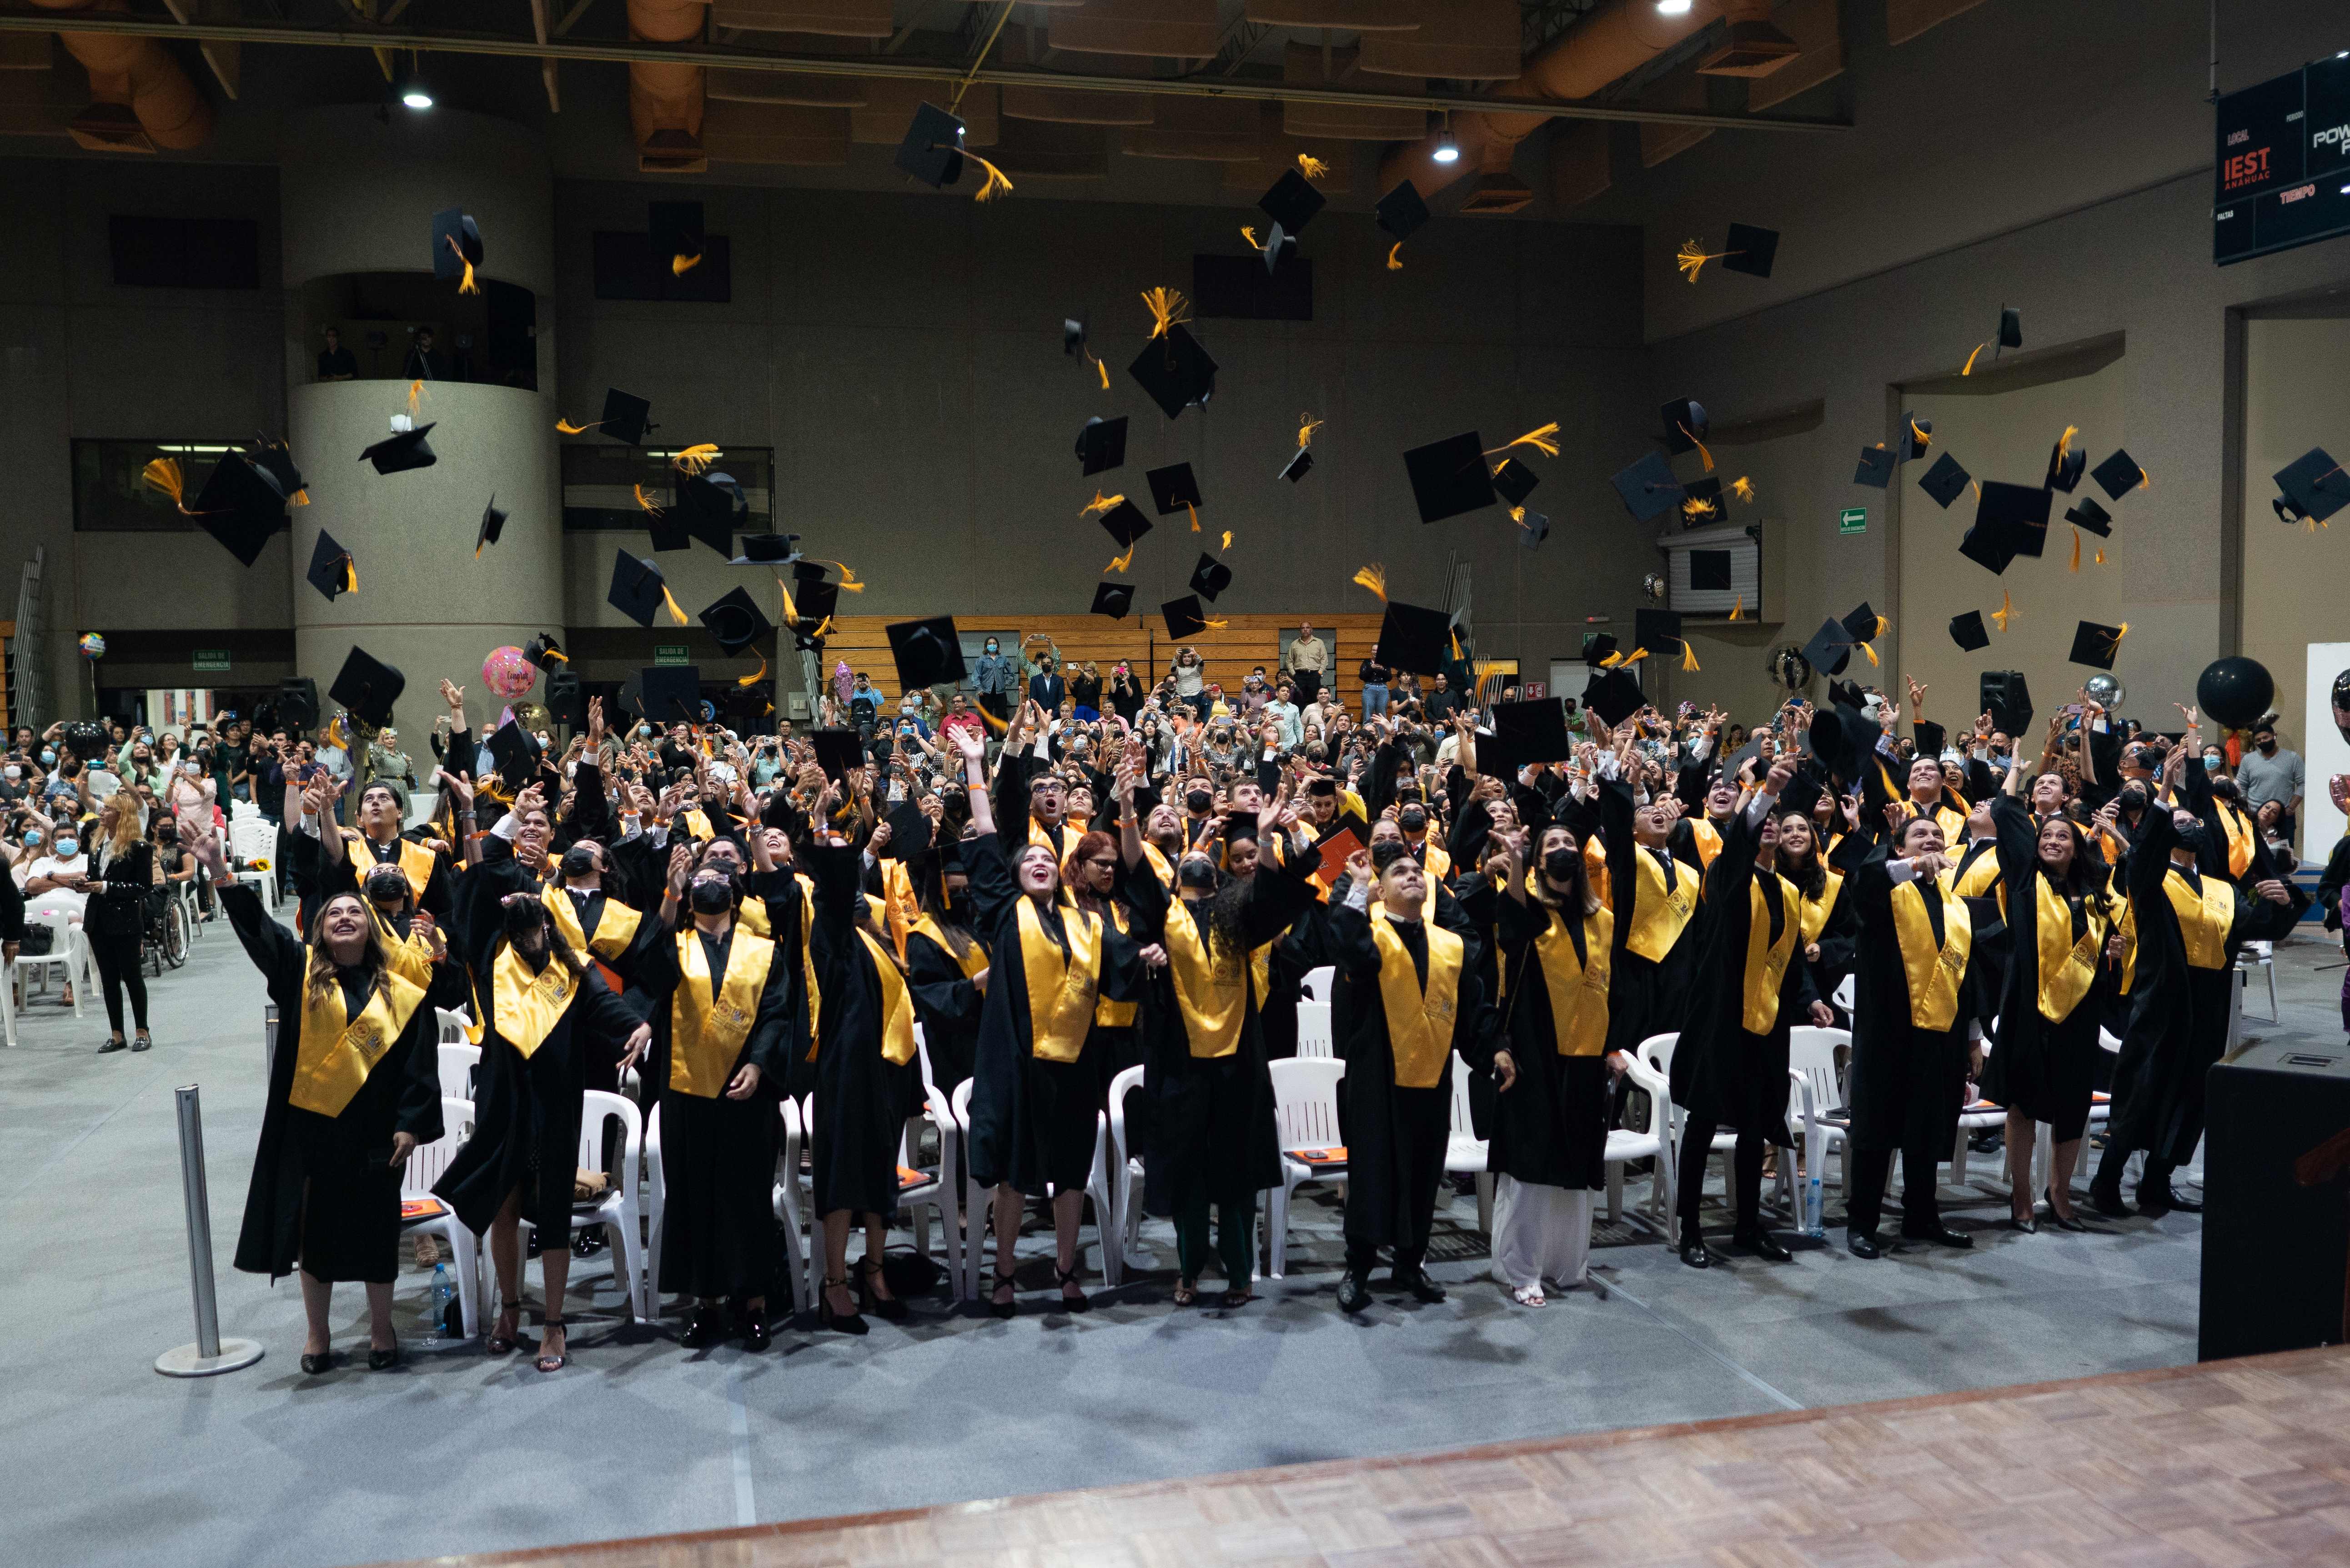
point(2283, 162)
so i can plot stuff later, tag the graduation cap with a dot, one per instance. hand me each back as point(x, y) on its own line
point(1414, 639)
point(240, 506)
point(1967, 632)
point(1945, 481)
point(2065, 463)
point(1101, 445)
point(837, 750)
point(494, 522)
point(927, 653)
point(675, 229)
point(1450, 477)
point(1658, 631)
point(2010, 327)
point(932, 150)
point(1534, 527)
point(1528, 733)
point(767, 550)
point(1916, 434)
point(515, 751)
point(1830, 648)
point(638, 590)
point(2118, 475)
point(2096, 645)
point(1125, 524)
point(1685, 424)
point(275, 459)
point(402, 450)
point(1114, 600)
point(2011, 520)
point(1292, 202)
point(2087, 514)
point(1750, 250)
point(1648, 488)
point(910, 833)
point(332, 571)
point(1300, 465)
point(456, 249)
point(1173, 488)
point(1279, 247)
point(1701, 502)
point(1400, 212)
point(541, 651)
point(737, 622)
point(626, 419)
point(1597, 651)
point(1863, 625)
point(814, 603)
point(1183, 617)
point(1513, 480)
point(368, 687)
point(1210, 577)
point(1876, 470)
point(670, 693)
point(1175, 370)
point(1841, 736)
point(1073, 336)
point(668, 530)
point(2314, 487)
point(1614, 695)
point(708, 507)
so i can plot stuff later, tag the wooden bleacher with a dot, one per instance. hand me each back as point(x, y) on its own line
point(1230, 653)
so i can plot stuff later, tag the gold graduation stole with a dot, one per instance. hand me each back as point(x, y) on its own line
point(1766, 960)
point(1420, 1024)
point(337, 1050)
point(2067, 968)
point(1160, 867)
point(899, 905)
point(1118, 1015)
point(2239, 829)
point(415, 861)
point(616, 926)
point(2128, 925)
point(1579, 991)
point(695, 821)
point(527, 1006)
point(409, 957)
point(705, 1031)
point(975, 956)
point(2204, 919)
point(1076, 827)
point(1211, 989)
point(807, 949)
point(1433, 860)
point(1978, 873)
point(1708, 839)
point(1062, 985)
point(1933, 975)
point(1595, 867)
point(1040, 834)
point(1818, 910)
point(1659, 915)
point(752, 916)
point(897, 1006)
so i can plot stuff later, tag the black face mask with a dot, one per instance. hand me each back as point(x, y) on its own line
point(578, 861)
point(1412, 818)
point(387, 887)
point(1561, 864)
point(712, 898)
point(2133, 800)
point(2268, 747)
point(1197, 873)
point(1197, 801)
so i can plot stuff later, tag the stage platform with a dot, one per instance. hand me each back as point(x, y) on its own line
point(2235, 1464)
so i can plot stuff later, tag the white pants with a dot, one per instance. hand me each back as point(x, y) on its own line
point(1540, 1233)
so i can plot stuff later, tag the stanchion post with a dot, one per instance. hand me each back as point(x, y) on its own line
point(208, 1355)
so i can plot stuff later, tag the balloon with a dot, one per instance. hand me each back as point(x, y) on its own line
point(2234, 691)
point(508, 673)
point(93, 644)
point(2104, 690)
point(1652, 588)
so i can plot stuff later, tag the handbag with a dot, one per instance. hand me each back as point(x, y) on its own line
point(37, 940)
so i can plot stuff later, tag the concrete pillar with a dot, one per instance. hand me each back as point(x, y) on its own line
point(357, 197)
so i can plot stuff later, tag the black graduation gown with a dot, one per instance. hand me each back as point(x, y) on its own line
point(1032, 1121)
point(862, 1099)
point(1644, 996)
point(1396, 1137)
point(526, 1111)
point(1722, 1071)
point(1906, 1084)
point(1209, 1130)
point(2043, 1070)
point(435, 901)
point(947, 1005)
point(324, 1191)
point(1551, 1128)
point(1987, 969)
point(718, 1156)
point(1839, 940)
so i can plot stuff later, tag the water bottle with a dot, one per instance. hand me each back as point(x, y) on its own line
point(442, 1291)
point(1815, 1225)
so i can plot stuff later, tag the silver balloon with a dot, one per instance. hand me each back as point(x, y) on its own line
point(1652, 588)
point(2104, 690)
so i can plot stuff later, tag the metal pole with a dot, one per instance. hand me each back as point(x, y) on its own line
point(208, 1355)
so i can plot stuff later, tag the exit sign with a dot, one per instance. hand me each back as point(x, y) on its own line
point(212, 660)
point(672, 653)
point(1853, 520)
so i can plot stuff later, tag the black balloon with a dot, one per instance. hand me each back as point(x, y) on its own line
point(2234, 691)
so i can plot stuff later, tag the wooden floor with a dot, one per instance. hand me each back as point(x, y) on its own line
point(2231, 1465)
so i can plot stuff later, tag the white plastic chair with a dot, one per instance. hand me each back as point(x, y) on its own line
point(938, 1192)
point(1623, 1146)
point(1321, 984)
point(1315, 1036)
point(1125, 1195)
point(616, 1209)
point(1820, 1112)
point(1843, 995)
point(2261, 956)
point(459, 1061)
point(66, 953)
point(454, 1022)
point(7, 1002)
point(978, 1202)
point(425, 1164)
point(1466, 1154)
point(1305, 1115)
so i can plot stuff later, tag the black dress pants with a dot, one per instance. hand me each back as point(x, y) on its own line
point(1921, 1206)
point(1746, 1176)
point(120, 969)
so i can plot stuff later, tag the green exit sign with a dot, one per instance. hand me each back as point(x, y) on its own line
point(672, 653)
point(212, 660)
point(1853, 520)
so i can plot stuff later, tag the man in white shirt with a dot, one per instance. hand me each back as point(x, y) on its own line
point(1307, 658)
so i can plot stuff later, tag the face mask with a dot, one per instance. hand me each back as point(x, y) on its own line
point(2213, 763)
point(644, 731)
point(32, 838)
point(48, 758)
point(578, 861)
point(1560, 864)
point(12, 771)
point(1197, 873)
point(1197, 800)
point(2191, 838)
point(389, 886)
point(2268, 748)
point(712, 898)
point(1412, 818)
point(68, 848)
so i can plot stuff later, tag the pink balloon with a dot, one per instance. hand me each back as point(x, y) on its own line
point(507, 672)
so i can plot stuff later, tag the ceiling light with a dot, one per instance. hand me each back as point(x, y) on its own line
point(415, 97)
point(1447, 150)
point(408, 85)
point(1672, 7)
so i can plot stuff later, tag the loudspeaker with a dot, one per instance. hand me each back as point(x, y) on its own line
point(565, 702)
point(2276, 1200)
point(298, 702)
point(2009, 701)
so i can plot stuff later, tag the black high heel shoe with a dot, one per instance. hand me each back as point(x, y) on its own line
point(1003, 1309)
point(2061, 1222)
point(1078, 1303)
point(840, 1322)
point(889, 1309)
point(318, 1364)
point(383, 1360)
point(503, 1344)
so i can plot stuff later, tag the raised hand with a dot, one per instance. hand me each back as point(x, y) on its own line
point(594, 721)
point(454, 696)
point(681, 869)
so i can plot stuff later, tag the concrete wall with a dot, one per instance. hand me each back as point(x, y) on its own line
point(2294, 576)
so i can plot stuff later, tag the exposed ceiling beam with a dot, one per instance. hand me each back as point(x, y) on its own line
point(1241, 88)
point(571, 18)
point(545, 68)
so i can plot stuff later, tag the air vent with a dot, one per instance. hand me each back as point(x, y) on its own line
point(1495, 195)
point(672, 152)
point(109, 127)
point(1751, 49)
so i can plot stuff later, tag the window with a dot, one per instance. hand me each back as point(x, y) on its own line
point(600, 481)
point(625, 269)
point(185, 252)
point(110, 495)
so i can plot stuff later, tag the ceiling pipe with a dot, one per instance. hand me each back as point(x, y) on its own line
point(665, 101)
point(138, 75)
point(1618, 38)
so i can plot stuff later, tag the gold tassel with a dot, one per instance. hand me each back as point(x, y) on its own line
point(565, 426)
point(2145, 481)
point(1168, 308)
point(1969, 368)
point(645, 501)
point(1215, 625)
point(995, 185)
point(2115, 647)
point(1742, 488)
point(1100, 503)
point(1613, 659)
point(2006, 611)
point(791, 610)
point(1248, 232)
point(350, 575)
point(747, 682)
point(1102, 369)
point(1693, 257)
point(2076, 552)
point(1374, 577)
point(1919, 437)
point(1227, 538)
point(669, 599)
point(415, 396)
point(1518, 516)
point(1306, 425)
point(996, 726)
point(165, 474)
point(2064, 442)
point(680, 266)
point(1540, 439)
point(1119, 562)
point(1693, 442)
point(1312, 168)
point(300, 497)
point(1738, 608)
point(2101, 554)
point(1688, 658)
point(848, 583)
point(1393, 252)
point(1195, 516)
point(697, 458)
point(1871, 651)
